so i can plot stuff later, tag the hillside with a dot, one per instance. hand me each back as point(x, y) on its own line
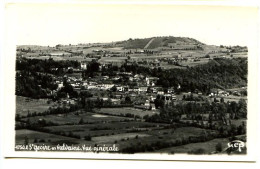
point(159, 42)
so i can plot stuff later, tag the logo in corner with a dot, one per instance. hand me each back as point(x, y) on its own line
point(236, 145)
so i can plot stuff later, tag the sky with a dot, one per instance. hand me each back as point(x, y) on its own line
point(52, 24)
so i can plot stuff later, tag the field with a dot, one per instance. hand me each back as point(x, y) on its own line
point(57, 58)
point(240, 54)
point(109, 128)
point(23, 105)
point(208, 147)
point(113, 138)
point(231, 98)
point(124, 111)
point(74, 118)
point(46, 138)
point(164, 135)
point(105, 129)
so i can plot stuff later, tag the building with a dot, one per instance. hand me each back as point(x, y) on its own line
point(83, 65)
point(143, 89)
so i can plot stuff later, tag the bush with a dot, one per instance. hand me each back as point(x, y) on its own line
point(87, 138)
point(41, 141)
point(35, 140)
point(219, 147)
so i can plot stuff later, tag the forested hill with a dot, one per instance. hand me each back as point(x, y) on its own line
point(217, 73)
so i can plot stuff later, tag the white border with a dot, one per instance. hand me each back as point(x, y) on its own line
point(8, 67)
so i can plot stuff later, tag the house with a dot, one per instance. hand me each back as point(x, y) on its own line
point(150, 81)
point(173, 97)
point(92, 87)
point(152, 106)
point(107, 86)
point(136, 89)
point(56, 54)
point(147, 103)
point(120, 88)
point(154, 90)
point(85, 83)
point(105, 77)
point(115, 101)
point(143, 89)
point(145, 106)
point(60, 85)
point(152, 98)
point(170, 90)
point(168, 97)
point(130, 89)
point(160, 92)
point(83, 65)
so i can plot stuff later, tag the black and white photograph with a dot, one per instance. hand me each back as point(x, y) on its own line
point(131, 79)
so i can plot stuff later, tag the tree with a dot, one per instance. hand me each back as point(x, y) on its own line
point(35, 140)
point(222, 100)
point(128, 99)
point(215, 100)
point(184, 97)
point(26, 140)
point(219, 147)
point(242, 108)
point(81, 121)
point(113, 89)
point(87, 138)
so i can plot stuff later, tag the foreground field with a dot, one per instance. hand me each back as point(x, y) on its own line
point(162, 136)
point(45, 138)
point(208, 147)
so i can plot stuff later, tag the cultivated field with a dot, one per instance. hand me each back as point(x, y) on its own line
point(74, 118)
point(105, 129)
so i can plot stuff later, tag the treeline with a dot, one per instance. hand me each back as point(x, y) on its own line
point(195, 111)
point(45, 66)
point(34, 85)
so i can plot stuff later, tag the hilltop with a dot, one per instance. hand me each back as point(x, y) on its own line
point(160, 42)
